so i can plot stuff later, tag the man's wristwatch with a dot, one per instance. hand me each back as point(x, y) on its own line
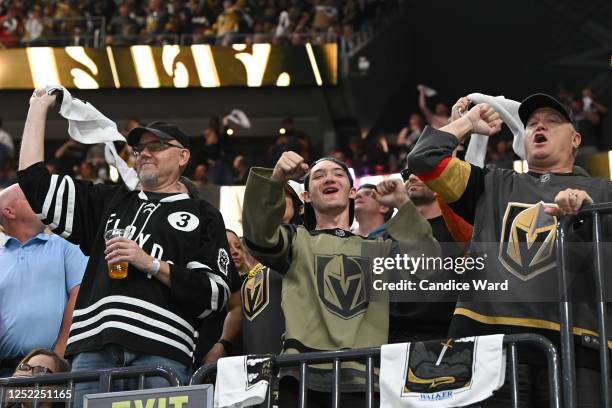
point(154, 270)
point(227, 345)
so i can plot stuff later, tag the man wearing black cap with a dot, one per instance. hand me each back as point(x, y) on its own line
point(514, 217)
point(327, 270)
point(175, 247)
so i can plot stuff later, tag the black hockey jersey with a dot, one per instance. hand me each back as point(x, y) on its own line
point(263, 323)
point(517, 239)
point(138, 312)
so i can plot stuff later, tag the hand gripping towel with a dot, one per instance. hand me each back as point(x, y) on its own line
point(508, 111)
point(87, 125)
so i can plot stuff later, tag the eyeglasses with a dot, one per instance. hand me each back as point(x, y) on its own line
point(34, 369)
point(153, 146)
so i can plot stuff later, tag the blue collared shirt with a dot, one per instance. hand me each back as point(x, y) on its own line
point(378, 231)
point(35, 282)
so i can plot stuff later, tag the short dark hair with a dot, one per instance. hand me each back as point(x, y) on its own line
point(368, 186)
point(333, 160)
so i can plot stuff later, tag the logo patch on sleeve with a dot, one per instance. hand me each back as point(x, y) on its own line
point(223, 261)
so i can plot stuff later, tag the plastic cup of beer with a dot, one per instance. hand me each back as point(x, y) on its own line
point(116, 270)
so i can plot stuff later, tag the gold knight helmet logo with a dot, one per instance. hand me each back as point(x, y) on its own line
point(255, 292)
point(527, 246)
point(341, 284)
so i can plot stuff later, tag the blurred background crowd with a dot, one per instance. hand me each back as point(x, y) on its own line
point(219, 22)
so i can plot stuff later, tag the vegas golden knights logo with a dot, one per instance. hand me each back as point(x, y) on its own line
point(341, 282)
point(439, 366)
point(255, 293)
point(527, 246)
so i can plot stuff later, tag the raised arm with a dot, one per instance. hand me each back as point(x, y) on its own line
point(264, 205)
point(70, 208)
point(32, 142)
point(423, 105)
point(458, 183)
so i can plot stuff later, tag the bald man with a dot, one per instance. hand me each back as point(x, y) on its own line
point(39, 282)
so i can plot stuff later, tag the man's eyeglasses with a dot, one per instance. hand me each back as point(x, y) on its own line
point(25, 367)
point(153, 146)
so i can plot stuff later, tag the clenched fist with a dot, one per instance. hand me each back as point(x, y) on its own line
point(484, 119)
point(391, 193)
point(569, 201)
point(290, 166)
point(41, 99)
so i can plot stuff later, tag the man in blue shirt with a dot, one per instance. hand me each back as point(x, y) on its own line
point(39, 282)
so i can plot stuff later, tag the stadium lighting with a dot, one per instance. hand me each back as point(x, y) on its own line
point(145, 66)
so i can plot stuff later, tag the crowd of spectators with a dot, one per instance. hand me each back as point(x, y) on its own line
point(376, 153)
point(217, 160)
point(220, 22)
point(214, 162)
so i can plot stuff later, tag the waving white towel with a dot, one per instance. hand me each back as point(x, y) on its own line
point(88, 126)
point(508, 110)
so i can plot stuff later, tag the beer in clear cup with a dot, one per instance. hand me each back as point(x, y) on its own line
point(116, 270)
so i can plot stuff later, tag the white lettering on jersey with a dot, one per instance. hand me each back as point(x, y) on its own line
point(141, 239)
point(157, 251)
point(110, 221)
point(130, 230)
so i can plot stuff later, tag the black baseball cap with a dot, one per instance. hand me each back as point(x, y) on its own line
point(163, 130)
point(540, 100)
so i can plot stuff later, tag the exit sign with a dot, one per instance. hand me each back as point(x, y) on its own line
point(200, 396)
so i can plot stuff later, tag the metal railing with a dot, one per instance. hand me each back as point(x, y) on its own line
point(595, 211)
point(370, 354)
point(103, 377)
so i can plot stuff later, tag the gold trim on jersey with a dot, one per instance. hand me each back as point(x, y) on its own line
point(523, 322)
point(453, 180)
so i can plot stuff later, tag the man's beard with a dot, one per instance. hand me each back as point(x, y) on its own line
point(149, 179)
point(422, 199)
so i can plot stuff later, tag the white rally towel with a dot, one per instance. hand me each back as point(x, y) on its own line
point(429, 92)
point(242, 381)
point(508, 111)
point(239, 117)
point(441, 374)
point(88, 126)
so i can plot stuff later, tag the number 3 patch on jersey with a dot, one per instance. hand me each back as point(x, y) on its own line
point(183, 221)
